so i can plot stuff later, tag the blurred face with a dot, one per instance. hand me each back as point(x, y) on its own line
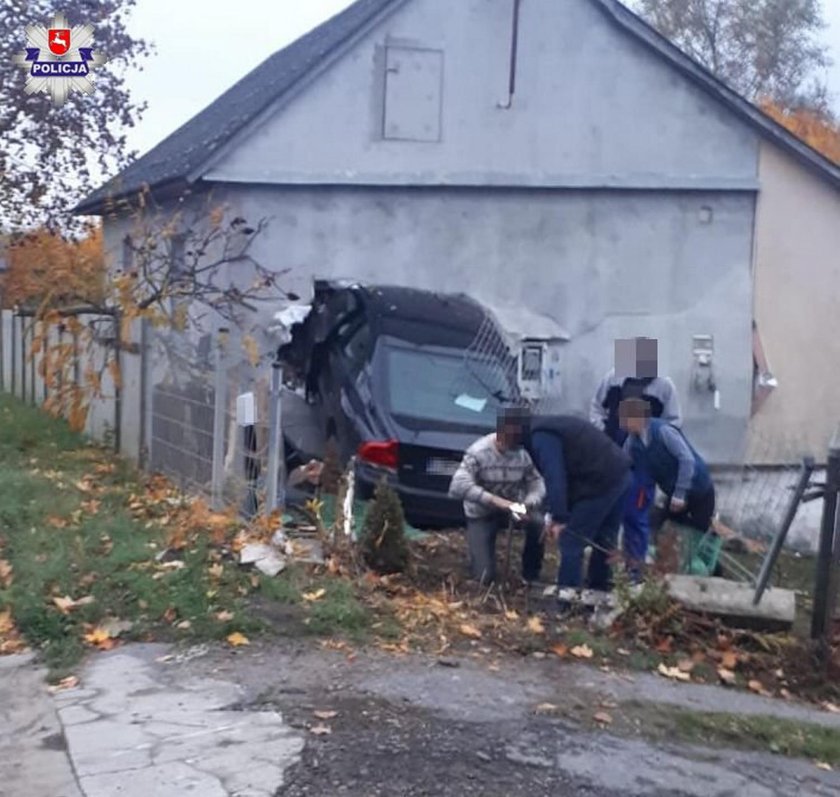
point(510, 435)
point(632, 423)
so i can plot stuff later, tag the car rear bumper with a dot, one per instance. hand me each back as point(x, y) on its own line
point(422, 508)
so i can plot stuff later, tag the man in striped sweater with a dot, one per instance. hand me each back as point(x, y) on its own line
point(495, 474)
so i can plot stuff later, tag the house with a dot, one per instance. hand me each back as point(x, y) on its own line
point(557, 156)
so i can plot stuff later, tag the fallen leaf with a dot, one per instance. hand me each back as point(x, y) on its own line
point(237, 640)
point(582, 652)
point(729, 660)
point(686, 665)
point(320, 730)
point(757, 687)
point(831, 708)
point(785, 693)
point(470, 630)
point(6, 623)
point(664, 645)
point(311, 597)
point(184, 625)
point(216, 570)
point(224, 616)
point(97, 636)
point(70, 682)
point(602, 718)
point(560, 650)
point(535, 626)
point(674, 673)
point(623, 652)
point(67, 604)
point(546, 708)
point(727, 676)
point(511, 615)
point(824, 766)
point(57, 522)
point(5, 573)
point(324, 715)
point(170, 614)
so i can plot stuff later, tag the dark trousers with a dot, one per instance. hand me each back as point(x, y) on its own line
point(481, 544)
point(636, 520)
point(592, 521)
point(699, 510)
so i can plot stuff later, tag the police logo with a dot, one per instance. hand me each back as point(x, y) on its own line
point(59, 59)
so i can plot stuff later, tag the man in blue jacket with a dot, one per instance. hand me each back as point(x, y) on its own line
point(663, 451)
point(586, 479)
point(636, 375)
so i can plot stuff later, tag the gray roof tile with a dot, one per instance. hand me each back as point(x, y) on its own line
point(189, 146)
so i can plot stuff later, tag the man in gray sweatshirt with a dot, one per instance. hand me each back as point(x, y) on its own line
point(495, 474)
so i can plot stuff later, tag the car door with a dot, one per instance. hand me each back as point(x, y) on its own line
point(349, 355)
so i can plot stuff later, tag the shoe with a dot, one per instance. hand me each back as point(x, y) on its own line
point(598, 599)
point(568, 601)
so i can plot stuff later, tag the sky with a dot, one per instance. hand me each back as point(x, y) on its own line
point(202, 52)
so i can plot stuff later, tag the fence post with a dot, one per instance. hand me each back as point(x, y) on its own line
point(60, 374)
point(219, 416)
point(823, 606)
point(32, 371)
point(14, 355)
point(2, 341)
point(118, 375)
point(22, 326)
point(276, 459)
point(45, 360)
point(142, 452)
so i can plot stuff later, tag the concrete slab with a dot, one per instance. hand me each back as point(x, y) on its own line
point(136, 729)
point(33, 756)
point(733, 602)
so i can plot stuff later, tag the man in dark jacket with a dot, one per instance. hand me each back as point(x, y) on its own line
point(586, 479)
point(663, 451)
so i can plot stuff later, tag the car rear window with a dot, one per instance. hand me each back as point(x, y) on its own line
point(447, 388)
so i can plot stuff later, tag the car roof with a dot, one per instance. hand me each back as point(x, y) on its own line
point(423, 317)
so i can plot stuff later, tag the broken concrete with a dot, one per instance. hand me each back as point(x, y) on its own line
point(733, 602)
point(131, 730)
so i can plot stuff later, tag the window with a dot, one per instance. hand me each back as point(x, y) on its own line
point(177, 261)
point(127, 253)
point(444, 387)
point(413, 94)
point(764, 383)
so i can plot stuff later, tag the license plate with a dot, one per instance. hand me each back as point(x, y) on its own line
point(441, 467)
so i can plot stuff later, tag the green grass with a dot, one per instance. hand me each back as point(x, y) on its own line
point(110, 555)
point(783, 736)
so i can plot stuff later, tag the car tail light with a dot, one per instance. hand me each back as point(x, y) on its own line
point(384, 454)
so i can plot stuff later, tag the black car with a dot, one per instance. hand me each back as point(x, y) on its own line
point(405, 380)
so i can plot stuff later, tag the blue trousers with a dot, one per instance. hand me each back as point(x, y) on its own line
point(636, 520)
point(593, 520)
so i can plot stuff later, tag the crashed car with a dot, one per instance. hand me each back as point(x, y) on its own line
point(403, 380)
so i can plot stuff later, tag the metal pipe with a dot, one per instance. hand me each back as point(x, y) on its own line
point(219, 410)
point(822, 611)
point(276, 496)
point(514, 55)
point(769, 562)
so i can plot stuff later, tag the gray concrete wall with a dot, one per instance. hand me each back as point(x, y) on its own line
point(593, 107)
point(603, 264)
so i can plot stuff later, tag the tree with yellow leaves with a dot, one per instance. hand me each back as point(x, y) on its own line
point(816, 129)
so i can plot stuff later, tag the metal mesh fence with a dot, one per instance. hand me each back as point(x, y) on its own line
point(752, 499)
point(208, 423)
